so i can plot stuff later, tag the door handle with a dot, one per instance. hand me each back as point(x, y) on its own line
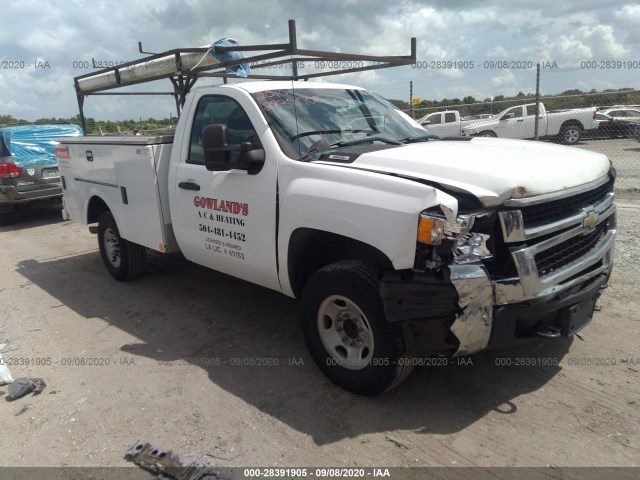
point(189, 186)
point(519, 120)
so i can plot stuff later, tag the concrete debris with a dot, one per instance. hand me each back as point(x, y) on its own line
point(160, 461)
point(21, 386)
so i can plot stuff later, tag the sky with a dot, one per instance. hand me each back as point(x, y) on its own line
point(582, 44)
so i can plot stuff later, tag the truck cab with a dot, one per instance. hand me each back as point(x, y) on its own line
point(443, 124)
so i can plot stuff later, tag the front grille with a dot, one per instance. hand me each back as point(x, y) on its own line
point(566, 252)
point(544, 213)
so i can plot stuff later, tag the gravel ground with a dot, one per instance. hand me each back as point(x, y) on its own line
point(157, 360)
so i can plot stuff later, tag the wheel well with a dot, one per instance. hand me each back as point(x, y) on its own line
point(571, 123)
point(96, 208)
point(310, 250)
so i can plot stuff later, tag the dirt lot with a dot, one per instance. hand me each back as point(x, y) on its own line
point(157, 360)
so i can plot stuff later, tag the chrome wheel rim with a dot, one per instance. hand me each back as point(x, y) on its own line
point(571, 135)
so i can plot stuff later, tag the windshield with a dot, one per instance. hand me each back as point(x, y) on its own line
point(318, 119)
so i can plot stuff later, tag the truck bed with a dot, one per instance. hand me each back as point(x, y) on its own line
point(127, 173)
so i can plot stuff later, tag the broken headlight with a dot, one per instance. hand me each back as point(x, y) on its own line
point(462, 240)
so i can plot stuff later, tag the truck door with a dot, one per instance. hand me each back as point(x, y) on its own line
point(226, 220)
point(451, 126)
point(515, 124)
point(433, 124)
point(443, 124)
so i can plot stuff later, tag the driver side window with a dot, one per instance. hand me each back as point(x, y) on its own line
point(515, 112)
point(218, 109)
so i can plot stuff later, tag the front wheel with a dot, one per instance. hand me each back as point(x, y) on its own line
point(346, 332)
point(487, 133)
point(570, 134)
point(124, 260)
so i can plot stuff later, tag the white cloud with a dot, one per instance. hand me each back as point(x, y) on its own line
point(497, 51)
point(62, 33)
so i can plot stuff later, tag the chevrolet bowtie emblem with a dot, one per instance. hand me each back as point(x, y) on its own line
point(591, 221)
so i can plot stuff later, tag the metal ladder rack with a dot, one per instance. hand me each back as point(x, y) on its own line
point(183, 78)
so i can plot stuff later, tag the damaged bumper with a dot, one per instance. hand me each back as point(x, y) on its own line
point(441, 315)
point(459, 316)
point(554, 255)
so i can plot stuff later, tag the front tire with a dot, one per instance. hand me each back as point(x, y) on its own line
point(346, 332)
point(487, 133)
point(570, 134)
point(124, 260)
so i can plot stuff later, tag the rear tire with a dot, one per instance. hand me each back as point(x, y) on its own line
point(124, 260)
point(487, 133)
point(346, 332)
point(570, 134)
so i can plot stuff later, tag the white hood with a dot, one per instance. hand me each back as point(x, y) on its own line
point(492, 169)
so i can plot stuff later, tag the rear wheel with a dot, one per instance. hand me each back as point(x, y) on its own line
point(124, 260)
point(570, 134)
point(487, 133)
point(346, 331)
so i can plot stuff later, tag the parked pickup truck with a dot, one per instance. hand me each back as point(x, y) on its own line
point(519, 122)
point(399, 245)
point(443, 124)
point(447, 123)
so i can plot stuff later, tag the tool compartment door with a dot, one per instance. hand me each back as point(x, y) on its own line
point(140, 220)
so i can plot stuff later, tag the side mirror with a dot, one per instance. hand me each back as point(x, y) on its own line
point(214, 142)
point(218, 156)
point(426, 122)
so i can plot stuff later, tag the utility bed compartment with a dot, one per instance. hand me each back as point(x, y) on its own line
point(130, 174)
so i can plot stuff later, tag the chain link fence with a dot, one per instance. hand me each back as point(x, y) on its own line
point(607, 122)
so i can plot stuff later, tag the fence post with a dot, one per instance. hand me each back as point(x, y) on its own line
point(537, 99)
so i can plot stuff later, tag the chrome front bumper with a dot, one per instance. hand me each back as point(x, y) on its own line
point(547, 263)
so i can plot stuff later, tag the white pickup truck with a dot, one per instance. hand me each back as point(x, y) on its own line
point(519, 122)
point(400, 246)
point(445, 124)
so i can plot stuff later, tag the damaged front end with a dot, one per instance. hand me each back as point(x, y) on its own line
point(533, 267)
point(446, 301)
point(462, 249)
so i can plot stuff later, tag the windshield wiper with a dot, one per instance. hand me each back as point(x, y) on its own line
point(419, 138)
point(359, 141)
point(318, 147)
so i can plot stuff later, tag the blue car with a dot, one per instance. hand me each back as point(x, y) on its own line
point(28, 165)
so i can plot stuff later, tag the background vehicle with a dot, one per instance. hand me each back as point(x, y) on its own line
point(618, 122)
point(519, 122)
point(443, 124)
point(28, 165)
